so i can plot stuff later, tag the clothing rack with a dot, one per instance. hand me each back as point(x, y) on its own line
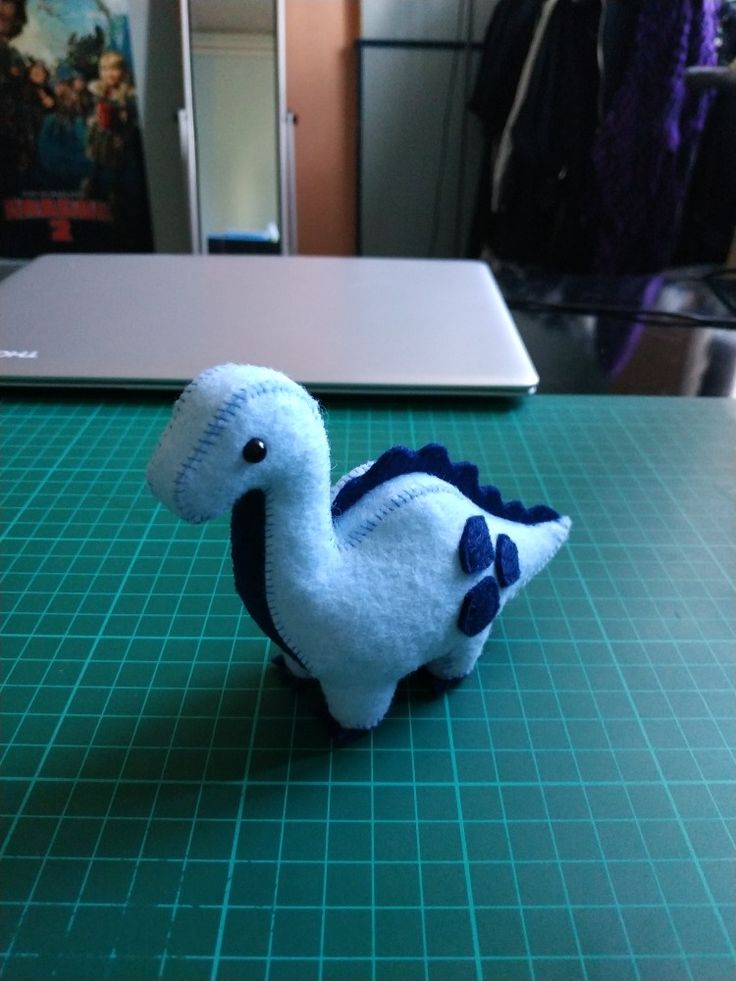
point(591, 132)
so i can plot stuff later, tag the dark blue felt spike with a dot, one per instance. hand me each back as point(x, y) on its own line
point(507, 561)
point(540, 513)
point(491, 500)
point(384, 468)
point(433, 459)
point(393, 460)
point(466, 477)
point(475, 548)
point(514, 510)
point(479, 607)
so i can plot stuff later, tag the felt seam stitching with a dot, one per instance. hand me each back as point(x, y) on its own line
point(215, 427)
point(179, 406)
point(404, 497)
point(514, 588)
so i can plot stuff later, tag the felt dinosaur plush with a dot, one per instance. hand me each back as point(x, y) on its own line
point(404, 563)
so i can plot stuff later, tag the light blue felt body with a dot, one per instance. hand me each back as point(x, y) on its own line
point(411, 573)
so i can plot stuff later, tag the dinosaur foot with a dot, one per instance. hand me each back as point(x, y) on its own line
point(287, 677)
point(439, 686)
point(339, 734)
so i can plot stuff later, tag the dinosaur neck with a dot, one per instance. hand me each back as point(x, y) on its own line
point(289, 528)
point(300, 533)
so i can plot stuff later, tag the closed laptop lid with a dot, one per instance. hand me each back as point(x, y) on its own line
point(334, 324)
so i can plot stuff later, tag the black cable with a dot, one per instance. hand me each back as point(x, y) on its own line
point(654, 318)
point(715, 280)
point(725, 272)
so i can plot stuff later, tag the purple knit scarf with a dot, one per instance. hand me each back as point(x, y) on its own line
point(645, 148)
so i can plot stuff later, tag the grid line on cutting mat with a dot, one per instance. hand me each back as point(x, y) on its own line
point(170, 810)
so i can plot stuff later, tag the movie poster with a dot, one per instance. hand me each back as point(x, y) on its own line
point(72, 175)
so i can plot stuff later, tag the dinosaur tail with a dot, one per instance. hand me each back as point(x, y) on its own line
point(531, 548)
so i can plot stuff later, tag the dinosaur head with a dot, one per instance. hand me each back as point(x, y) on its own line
point(233, 429)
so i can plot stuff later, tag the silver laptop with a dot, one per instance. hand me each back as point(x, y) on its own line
point(343, 325)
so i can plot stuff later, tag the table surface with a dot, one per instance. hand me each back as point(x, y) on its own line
point(170, 810)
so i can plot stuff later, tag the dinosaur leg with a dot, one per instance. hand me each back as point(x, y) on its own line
point(357, 709)
point(290, 672)
point(453, 667)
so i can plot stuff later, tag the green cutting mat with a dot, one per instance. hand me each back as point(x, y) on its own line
point(171, 811)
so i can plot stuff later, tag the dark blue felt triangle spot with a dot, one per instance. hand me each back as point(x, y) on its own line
point(507, 561)
point(433, 459)
point(475, 548)
point(480, 605)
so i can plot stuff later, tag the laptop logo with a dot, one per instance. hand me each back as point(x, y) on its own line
point(18, 354)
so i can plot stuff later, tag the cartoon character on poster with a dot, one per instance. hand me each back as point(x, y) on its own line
point(72, 175)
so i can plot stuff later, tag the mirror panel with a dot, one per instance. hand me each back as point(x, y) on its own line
point(235, 115)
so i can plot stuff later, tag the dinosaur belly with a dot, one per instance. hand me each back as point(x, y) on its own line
point(248, 542)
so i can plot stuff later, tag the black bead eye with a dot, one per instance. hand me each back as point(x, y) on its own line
point(254, 451)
